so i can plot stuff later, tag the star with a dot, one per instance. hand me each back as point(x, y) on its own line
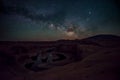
point(51, 26)
point(89, 12)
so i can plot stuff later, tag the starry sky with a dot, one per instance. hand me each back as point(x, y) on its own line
point(48, 20)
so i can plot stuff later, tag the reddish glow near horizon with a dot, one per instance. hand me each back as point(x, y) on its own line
point(70, 34)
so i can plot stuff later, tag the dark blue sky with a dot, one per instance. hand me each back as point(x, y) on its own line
point(58, 19)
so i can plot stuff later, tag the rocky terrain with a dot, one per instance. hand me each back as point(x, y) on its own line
point(93, 58)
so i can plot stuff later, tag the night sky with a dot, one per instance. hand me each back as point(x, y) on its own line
point(39, 20)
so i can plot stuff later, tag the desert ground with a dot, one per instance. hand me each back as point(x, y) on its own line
point(93, 58)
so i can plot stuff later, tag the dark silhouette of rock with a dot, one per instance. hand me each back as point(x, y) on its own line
point(6, 59)
point(19, 49)
point(93, 58)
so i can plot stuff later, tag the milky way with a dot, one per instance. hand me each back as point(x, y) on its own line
point(38, 20)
